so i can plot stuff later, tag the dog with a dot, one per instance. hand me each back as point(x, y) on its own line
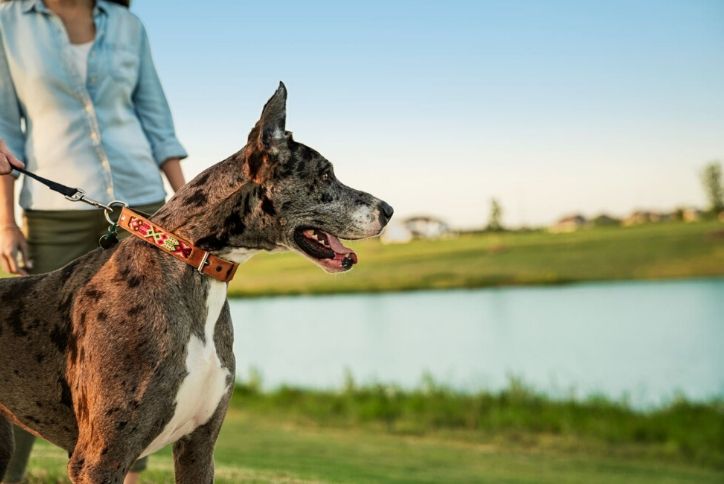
point(128, 349)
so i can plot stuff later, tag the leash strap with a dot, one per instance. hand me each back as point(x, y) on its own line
point(55, 186)
point(204, 262)
point(70, 193)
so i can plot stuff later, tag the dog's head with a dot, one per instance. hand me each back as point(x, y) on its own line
point(289, 198)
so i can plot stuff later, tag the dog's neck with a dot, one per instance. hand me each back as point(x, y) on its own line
point(222, 212)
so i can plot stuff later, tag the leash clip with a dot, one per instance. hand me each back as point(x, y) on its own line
point(108, 210)
point(204, 262)
point(78, 196)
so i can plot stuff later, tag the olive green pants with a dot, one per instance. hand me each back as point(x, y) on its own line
point(56, 237)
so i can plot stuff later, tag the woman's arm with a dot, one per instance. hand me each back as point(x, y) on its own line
point(175, 176)
point(12, 138)
point(153, 111)
point(7, 202)
point(12, 240)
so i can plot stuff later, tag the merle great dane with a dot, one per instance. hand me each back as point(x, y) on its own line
point(126, 350)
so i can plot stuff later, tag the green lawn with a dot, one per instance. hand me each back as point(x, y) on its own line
point(256, 449)
point(374, 434)
point(654, 251)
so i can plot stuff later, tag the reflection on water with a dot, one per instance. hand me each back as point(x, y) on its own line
point(645, 340)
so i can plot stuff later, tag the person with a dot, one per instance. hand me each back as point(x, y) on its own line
point(7, 160)
point(80, 103)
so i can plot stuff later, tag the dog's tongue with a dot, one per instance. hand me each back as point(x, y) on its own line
point(340, 251)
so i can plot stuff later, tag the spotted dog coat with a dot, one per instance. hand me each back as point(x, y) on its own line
point(125, 350)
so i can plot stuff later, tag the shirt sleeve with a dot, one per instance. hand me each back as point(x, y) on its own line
point(152, 109)
point(10, 115)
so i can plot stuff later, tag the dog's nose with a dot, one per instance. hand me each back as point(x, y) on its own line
point(386, 212)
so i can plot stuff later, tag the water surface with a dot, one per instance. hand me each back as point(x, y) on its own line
point(641, 340)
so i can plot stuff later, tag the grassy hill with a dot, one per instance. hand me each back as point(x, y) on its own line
point(654, 251)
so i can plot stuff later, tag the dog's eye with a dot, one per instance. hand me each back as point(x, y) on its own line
point(326, 176)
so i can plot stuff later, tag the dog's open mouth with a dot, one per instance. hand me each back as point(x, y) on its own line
point(325, 248)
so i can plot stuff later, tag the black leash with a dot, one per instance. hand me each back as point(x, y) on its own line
point(79, 195)
point(73, 194)
point(55, 186)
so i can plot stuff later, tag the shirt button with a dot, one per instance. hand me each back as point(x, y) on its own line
point(95, 138)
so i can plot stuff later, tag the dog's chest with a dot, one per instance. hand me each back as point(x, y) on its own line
point(206, 382)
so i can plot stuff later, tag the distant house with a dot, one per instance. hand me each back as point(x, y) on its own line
point(604, 220)
point(396, 233)
point(646, 216)
point(691, 214)
point(426, 227)
point(419, 227)
point(641, 217)
point(570, 223)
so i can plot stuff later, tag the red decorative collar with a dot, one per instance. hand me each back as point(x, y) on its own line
point(204, 262)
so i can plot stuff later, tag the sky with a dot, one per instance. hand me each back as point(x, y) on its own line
point(552, 107)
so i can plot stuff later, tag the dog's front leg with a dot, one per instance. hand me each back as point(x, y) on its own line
point(86, 468)
point(7, 445)
point(193, 455)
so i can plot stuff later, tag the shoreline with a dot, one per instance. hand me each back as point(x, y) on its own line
point(423, 289)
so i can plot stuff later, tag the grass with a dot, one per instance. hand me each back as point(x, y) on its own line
point(653, 251)
point(384, 434)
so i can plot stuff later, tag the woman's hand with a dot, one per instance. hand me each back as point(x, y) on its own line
point(7, 159)
point(14, 251)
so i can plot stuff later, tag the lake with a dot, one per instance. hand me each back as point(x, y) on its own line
point(643, 341)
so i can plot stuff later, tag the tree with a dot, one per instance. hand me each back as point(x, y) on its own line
point(496, 215)
point(711, 178)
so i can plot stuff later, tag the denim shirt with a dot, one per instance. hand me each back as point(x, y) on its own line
point(107, 134)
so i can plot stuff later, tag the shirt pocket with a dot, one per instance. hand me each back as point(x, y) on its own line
point(124, 65)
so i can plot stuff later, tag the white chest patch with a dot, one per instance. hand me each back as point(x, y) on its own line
point(206, 383)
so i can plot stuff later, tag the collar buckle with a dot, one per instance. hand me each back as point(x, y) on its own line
point(204, 262)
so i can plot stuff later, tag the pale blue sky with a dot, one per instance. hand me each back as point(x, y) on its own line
point(550, 106)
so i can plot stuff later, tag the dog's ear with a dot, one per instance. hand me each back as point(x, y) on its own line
point(272, 122)
point(270, 128)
